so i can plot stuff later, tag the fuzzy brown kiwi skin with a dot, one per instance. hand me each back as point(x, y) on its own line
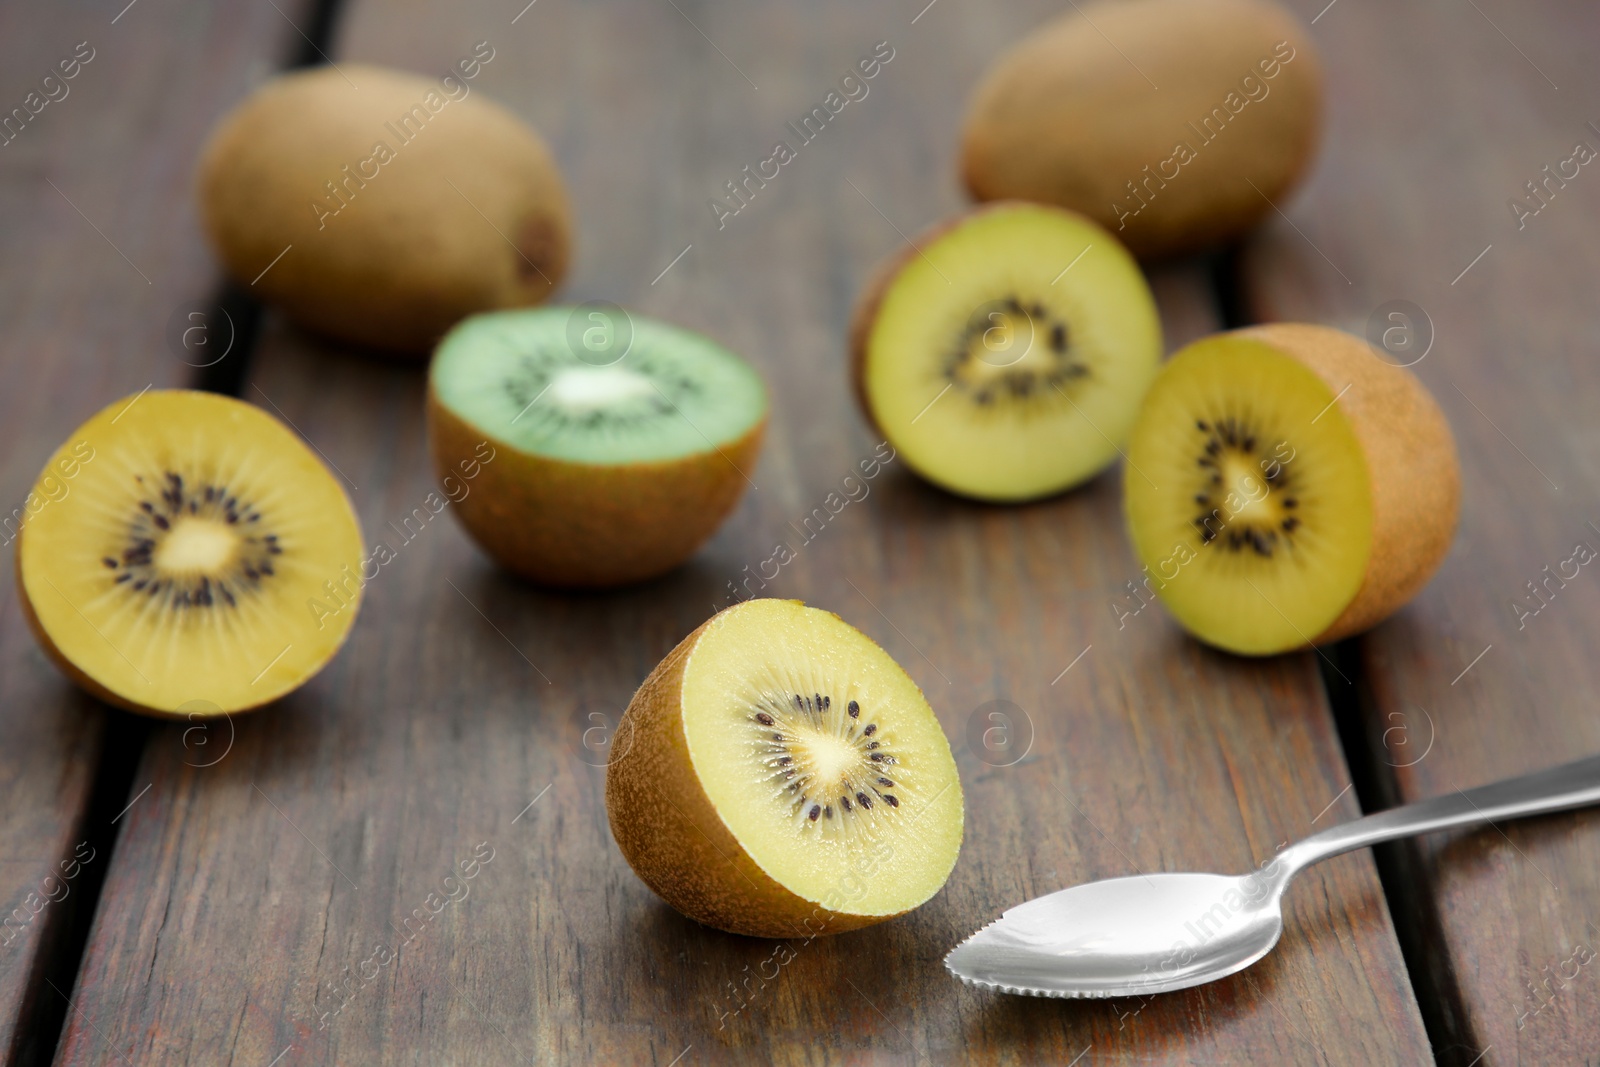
point(671, 835)
point(88, 684)
point(865, 314)
point(587, 526)
point(1064, 119)
point(1412, 466)
point(407, 256)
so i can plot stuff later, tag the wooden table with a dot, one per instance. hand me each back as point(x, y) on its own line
point(238, 877)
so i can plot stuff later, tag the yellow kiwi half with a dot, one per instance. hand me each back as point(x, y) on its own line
point(779, 775)
point(1287, 487)
point(1004, 353)
point(191, 556)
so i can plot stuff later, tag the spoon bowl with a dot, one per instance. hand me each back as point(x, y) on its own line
point(1126, 936)
point(1152, 933)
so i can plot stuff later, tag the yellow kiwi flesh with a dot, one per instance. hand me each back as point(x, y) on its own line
point(1005, 356)
point(381, 209)
point(779, 775)
point(1174, 124)
point(1287, 487)
point(185, 565)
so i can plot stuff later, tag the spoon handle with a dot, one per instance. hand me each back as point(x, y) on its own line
point(1571, 785)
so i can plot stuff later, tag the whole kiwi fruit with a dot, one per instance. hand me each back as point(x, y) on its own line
point(1175, 124)
point(383, 214)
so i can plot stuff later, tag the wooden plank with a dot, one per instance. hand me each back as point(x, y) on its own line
point(102, 246)
point(1439, 116)
point(470, 711)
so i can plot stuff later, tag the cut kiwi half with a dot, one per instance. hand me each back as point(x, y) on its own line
point(617, 443)
point(1288, 487)
point(1004, 353)
point(779, 775)
point(192, 556)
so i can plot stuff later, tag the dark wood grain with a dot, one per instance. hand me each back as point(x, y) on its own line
point(470, 711)
point(1438, 118)
point(101, 247)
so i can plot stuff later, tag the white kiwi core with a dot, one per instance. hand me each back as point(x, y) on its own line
point(196, 546)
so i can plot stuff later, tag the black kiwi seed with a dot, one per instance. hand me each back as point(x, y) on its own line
point(180, 500)
point(889, 799)
point(871, 729)
point(763, 718)
point(845, 801)
point(864, 800)
point(816, 810)
point(855, 710)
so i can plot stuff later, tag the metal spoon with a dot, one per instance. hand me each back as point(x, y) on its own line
point(1158, 932)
